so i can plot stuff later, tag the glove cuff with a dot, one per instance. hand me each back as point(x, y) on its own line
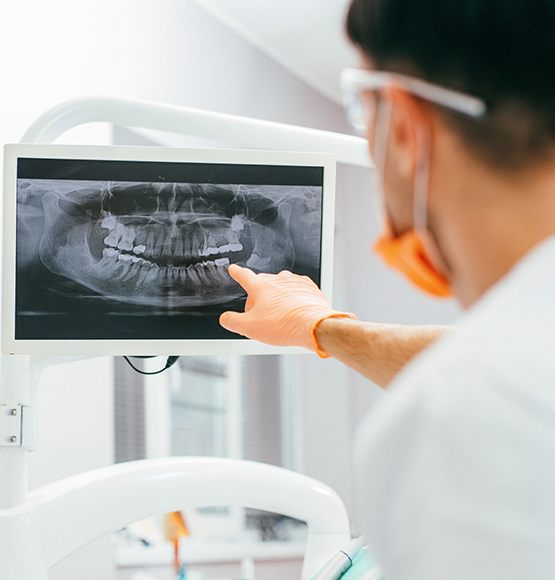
point(315, 344)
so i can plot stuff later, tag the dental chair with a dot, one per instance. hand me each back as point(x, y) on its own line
point(40, 528)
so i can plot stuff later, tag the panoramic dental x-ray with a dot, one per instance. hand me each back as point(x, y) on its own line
point(106, 258)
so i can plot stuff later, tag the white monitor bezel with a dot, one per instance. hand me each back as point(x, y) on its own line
point(11, 345)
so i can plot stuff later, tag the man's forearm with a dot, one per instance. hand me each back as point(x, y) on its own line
point(377, 351)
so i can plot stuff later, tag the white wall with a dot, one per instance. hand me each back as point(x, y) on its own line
point(307, 37)
point(173, 51)
point(51, 51)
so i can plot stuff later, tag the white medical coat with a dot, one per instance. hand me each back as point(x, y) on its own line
point(456, 465)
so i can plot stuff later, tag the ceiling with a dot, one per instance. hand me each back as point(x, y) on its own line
point(305, 36)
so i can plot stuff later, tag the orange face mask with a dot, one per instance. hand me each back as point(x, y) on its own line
point(407, 252)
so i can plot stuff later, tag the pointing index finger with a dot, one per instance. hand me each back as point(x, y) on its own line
point(242, 276)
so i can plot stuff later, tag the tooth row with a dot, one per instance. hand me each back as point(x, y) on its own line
point(123, 238)
point(210, 251)
point(113, 253)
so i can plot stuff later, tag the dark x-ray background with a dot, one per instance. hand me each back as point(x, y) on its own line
point(140, 260)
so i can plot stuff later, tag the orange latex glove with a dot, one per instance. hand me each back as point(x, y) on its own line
point(282, 309)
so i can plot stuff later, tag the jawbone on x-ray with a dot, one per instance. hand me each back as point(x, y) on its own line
point(165, 245)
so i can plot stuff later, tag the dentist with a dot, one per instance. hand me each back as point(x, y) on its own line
point(456, 464)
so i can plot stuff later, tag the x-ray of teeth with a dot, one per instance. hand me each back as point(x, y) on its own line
point(148, 248)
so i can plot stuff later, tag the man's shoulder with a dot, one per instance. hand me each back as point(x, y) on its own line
point(465, 441)
point(493, 353)
point(508, 337)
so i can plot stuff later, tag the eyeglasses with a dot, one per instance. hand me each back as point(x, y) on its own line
point(354, 82)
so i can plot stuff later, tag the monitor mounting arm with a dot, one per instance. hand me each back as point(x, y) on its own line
point(238, 131)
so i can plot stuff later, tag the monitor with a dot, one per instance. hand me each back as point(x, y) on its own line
point(112, 250)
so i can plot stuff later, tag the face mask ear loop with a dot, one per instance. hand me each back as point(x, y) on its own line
point(421, 186)
point(420, 205)
point(381, 139)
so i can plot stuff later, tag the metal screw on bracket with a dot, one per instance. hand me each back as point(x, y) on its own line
point(13, 412)
point(13, 439)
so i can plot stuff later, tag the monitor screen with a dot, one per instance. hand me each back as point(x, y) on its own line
point(139, 250)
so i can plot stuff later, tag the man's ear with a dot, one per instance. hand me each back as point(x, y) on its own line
point(409, 127)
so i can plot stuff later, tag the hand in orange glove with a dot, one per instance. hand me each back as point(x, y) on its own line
point(282, 309)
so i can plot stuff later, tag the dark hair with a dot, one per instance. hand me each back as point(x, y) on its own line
point(500, 50)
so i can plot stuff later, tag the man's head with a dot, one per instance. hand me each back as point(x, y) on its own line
point(484, 172)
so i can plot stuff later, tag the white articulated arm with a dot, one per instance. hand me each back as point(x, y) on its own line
point(238, 131)
point(65, 515)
